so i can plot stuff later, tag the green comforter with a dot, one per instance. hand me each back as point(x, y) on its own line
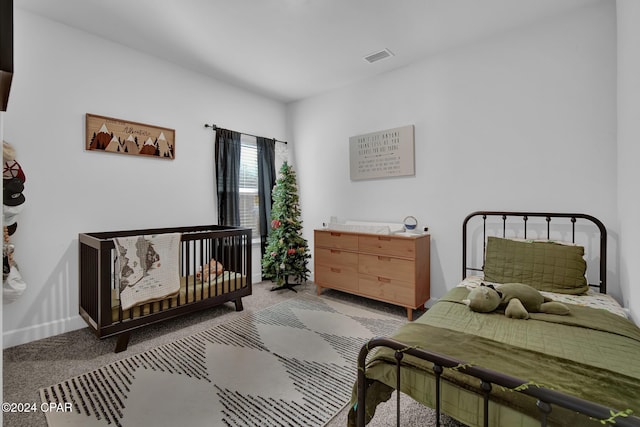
point(591, 354)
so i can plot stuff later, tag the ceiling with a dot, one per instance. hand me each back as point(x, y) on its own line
point(292, 49)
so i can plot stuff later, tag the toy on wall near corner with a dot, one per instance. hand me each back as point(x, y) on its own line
point(12, 200)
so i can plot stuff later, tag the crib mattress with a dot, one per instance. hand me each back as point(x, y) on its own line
point(191, 291)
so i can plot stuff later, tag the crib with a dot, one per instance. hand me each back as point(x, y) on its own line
point(99, 290)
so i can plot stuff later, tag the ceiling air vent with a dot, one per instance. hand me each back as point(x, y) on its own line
point(377, 56)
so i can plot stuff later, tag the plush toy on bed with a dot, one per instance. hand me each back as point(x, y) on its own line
point(211, 270)
point(519, 300)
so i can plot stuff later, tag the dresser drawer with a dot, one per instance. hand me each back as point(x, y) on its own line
point(387, 245)
point(389, 267)
point(336, 239)
point(337, 277)
point(391, 290)
point(336, 258)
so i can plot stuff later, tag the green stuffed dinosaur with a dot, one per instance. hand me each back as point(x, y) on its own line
point(519, 300)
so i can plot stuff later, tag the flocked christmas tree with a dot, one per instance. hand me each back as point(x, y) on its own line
point(287, 252)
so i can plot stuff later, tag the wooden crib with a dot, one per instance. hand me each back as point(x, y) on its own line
point(99, 291)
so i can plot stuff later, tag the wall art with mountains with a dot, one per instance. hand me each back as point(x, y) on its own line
point(126, 137)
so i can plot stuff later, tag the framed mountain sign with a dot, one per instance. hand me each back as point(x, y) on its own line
point(125, 137)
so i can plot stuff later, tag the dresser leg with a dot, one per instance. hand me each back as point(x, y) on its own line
point(410, 314)
point(318, 289)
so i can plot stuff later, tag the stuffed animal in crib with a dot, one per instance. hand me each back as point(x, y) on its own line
point(210, 271)
point(519, 300)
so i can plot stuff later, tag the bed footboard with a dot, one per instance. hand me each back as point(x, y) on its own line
point(546, 399)
point(99, 296)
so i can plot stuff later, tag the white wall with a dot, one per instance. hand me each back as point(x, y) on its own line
point(629, 150)
point(524, 120)
point(61, 74)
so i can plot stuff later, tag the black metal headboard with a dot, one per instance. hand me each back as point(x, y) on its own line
point(523, 218)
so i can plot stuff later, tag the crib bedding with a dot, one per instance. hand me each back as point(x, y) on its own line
point(585, 354)
point(191, 290)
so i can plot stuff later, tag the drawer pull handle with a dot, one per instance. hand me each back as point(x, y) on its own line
point(384, 258)
point(386, 239)
point(336, 234)
point(335, 251)
point(384, 280)
point(335, 270)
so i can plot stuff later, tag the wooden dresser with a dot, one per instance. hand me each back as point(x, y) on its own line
point(391, 268)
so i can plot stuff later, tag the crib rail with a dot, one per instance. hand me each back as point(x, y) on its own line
point(231, 246)
point(546, 398)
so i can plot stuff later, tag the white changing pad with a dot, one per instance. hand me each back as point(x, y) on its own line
point(367, 227)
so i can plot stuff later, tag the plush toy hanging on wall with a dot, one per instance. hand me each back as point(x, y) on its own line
point(12, 200)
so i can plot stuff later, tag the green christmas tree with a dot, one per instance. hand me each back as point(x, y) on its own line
point(287, 252)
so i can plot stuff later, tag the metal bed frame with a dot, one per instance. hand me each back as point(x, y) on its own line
point(546, 398)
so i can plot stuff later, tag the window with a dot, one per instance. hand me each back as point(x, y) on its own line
point(249, 200)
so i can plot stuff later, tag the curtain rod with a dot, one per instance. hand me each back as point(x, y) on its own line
point(214, 127)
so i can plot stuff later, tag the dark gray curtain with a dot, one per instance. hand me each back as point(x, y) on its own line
point(228, 176)
point(266, 181)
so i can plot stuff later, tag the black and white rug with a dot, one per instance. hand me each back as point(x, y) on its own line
point(292, 364)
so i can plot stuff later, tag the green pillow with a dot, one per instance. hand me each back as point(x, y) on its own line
point(545, 265)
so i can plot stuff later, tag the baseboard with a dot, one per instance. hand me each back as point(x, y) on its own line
point(43, 330)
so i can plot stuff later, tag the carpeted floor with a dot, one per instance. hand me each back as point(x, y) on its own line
point(29, 367)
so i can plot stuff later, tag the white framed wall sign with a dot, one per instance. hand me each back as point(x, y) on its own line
point(383, 154)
